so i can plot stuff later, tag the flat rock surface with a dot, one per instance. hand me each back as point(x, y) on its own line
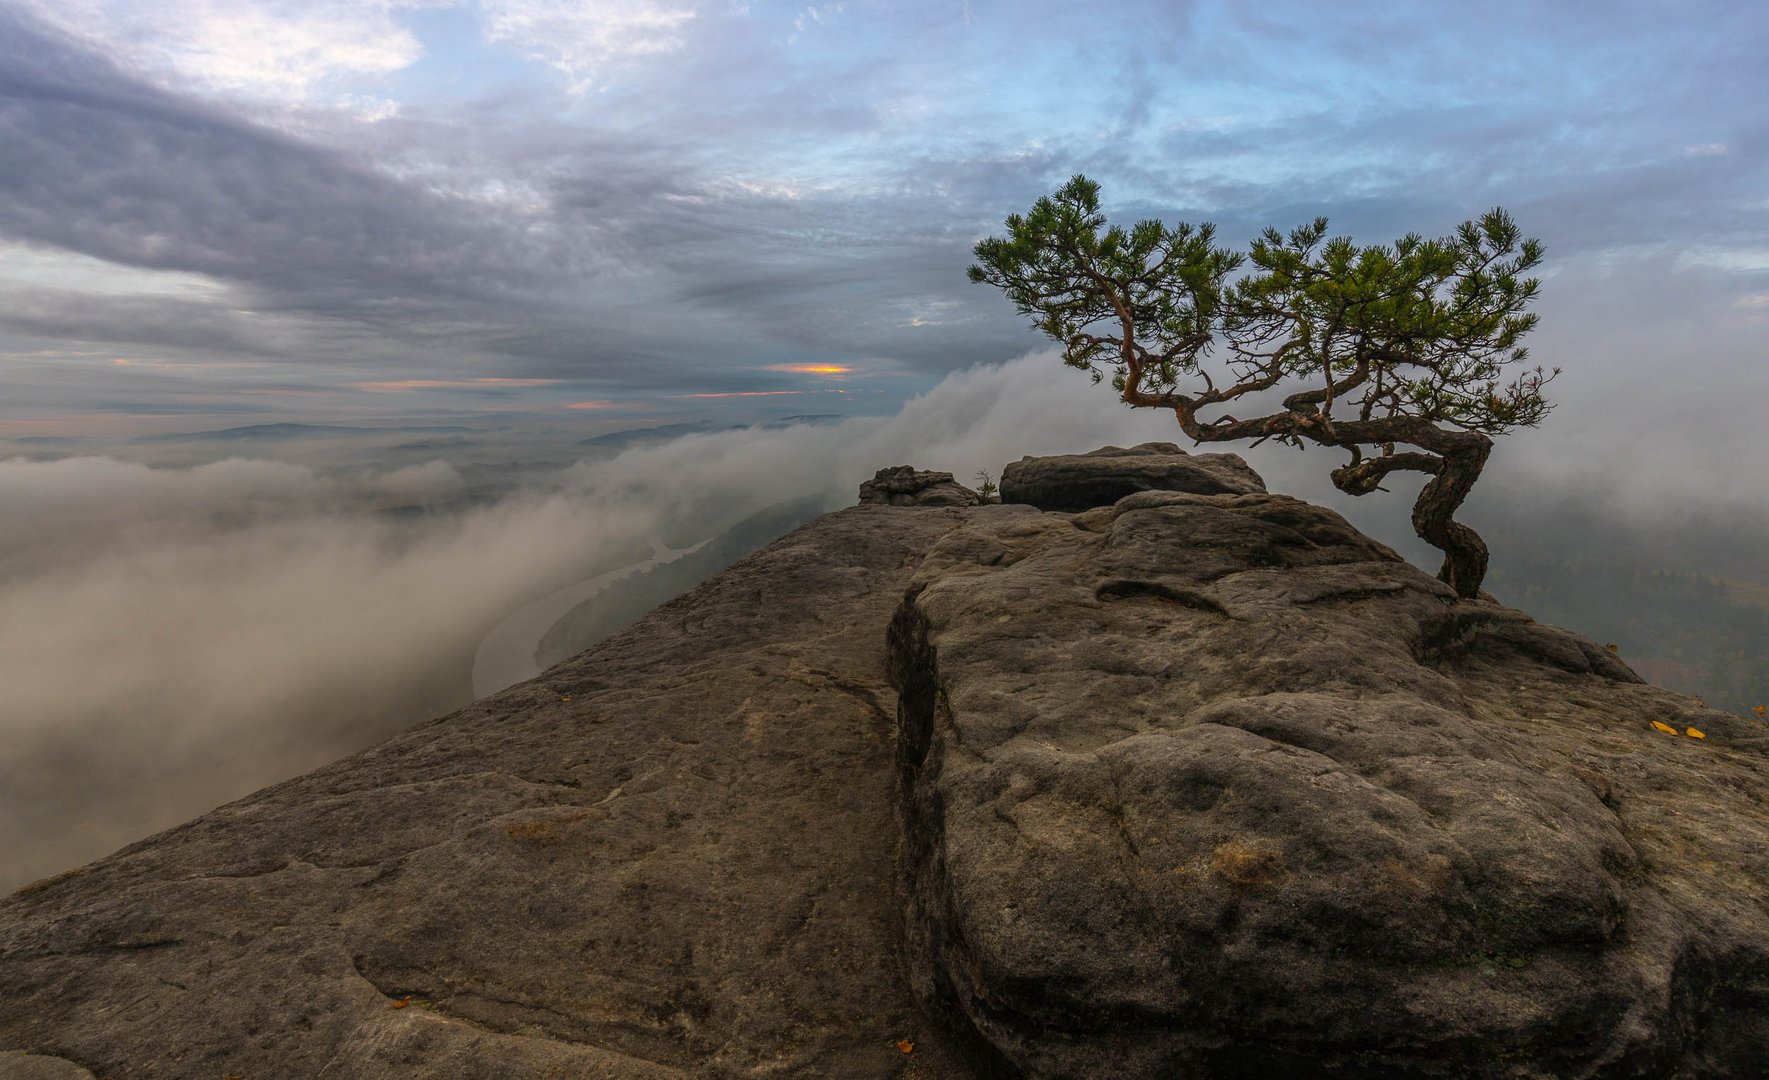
point(1217, 786)
point(1078, 482)
point(670, 856)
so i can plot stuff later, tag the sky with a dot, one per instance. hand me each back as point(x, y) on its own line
point(460, 239)
point(595, 215)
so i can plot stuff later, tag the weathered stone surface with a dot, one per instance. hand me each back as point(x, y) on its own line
point(1188, 786)
point(904, 485)
point(670, 856)
point(1215, 786)
point(1078, 482)
point(20, 1066)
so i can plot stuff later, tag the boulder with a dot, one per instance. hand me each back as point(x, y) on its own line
point(1215, 786)
point(904, 485)
point(1077, 482)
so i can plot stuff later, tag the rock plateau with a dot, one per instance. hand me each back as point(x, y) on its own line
point(1193, 783)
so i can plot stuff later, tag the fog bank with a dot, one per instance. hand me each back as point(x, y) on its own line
point(171, 638)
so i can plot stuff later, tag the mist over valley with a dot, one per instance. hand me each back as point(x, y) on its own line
point(250, 606)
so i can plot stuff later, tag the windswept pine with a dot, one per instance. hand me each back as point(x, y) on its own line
point(1386, 346)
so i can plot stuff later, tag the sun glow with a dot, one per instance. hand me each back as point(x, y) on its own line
point(812, 369)
point(750, 393)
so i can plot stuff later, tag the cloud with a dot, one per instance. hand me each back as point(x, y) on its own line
point(483, 382)
point(283, 51)
point(172, 638)
point(106, 166)
point(583, 40)
point(729, 203)
point(431, 482)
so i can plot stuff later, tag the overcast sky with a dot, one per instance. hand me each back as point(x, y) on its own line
point(600, 212)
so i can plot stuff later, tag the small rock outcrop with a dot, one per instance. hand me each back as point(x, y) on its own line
point(904, 485)
point(1077, 482)
point(1216, 786)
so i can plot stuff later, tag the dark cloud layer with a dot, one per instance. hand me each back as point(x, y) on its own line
point(105, 165)
point(787, 188)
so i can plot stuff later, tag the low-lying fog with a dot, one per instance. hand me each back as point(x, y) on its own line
point(172, 637)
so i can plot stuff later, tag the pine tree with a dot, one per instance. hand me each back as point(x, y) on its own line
point(1395, 353)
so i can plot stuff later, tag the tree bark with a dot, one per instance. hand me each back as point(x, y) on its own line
point(1464, 552)
point(1454, 458)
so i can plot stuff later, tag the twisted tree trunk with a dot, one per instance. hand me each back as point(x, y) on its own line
point(1453, 458)
point(1464, 552)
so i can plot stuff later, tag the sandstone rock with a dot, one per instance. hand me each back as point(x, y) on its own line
point(1186, 786)
point(18, 1066)
point(1214, 786)
point(1077, 482)
point(904, 485)
point(671, 856)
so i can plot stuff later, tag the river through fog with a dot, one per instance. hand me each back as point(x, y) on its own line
point(507, 655)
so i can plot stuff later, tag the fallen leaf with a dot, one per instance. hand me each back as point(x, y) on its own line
point(1612, 647)
point(402, 1003)
point(1694, 734)
point(906, 1046)
point(1666, 728)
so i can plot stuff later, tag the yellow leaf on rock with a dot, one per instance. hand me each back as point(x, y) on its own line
point(906, 1046)
point(402, 1003)
point(1666, 728)
point(1694, 734)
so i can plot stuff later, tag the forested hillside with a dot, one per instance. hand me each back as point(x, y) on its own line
point(1683, 618)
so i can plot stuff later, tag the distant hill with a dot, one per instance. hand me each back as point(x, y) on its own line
point(805, 418)
point(445, 443)
point(1690, 632)
point(616, 441)
point(297, 431)
point(1683, 597)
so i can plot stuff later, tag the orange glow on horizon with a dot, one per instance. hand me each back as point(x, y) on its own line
point(591, 405)
point(750, 393)
point(812, 369)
